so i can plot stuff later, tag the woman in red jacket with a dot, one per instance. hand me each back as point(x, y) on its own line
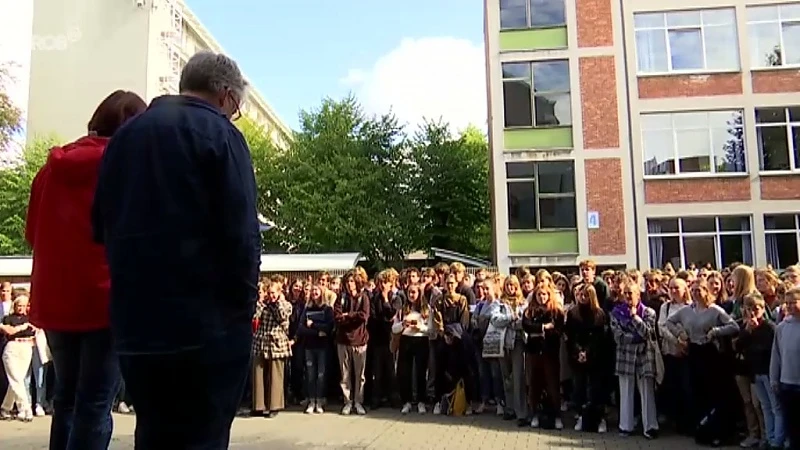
point(70, 281)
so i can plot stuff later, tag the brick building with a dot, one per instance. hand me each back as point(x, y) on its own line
point(638, 134)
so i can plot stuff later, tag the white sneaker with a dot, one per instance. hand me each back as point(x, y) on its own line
point(123, 408)
point(481, 408)
point(579, 424)
point(500, 410)
point(5, 414)
point(310, 407)
point(564, 406)
point(749, 442)
point(360, 409)
point(25, 416)
point(421, 408)
point(559, 424)
point(535, 422)
point(318, 407)
point(469, 411)
point(437, 409)
point(602, 428)
point(347, 409)
point(406, 409)
point(38, 411)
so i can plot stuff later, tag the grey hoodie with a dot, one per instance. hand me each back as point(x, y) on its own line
point(784, 365)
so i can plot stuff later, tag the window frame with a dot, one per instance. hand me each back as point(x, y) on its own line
point(781, 40)
point(787, 124)
point(528, 15)
point(716, 234)
point(795, 231)
point(537, 195)
point(532, 83)
point(701, 27)
point(675, 147)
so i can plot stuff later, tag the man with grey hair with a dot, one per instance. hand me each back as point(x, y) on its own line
point(175, 206)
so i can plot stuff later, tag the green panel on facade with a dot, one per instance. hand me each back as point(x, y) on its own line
point(537, 138)
point(542, 243)
point(534, 39)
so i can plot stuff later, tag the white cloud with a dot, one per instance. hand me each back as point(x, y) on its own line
point(426, 78)
point(16, 22)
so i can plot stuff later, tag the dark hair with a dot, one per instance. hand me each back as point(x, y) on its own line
point(114, 111)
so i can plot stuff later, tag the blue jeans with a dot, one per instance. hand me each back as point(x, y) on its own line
point(773, 413)
point(491, 380)
point(213, 376)
point(316, 359)
point(37, 371)
point(87, 380)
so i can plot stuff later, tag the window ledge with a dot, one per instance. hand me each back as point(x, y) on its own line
point(775, 68)
point(778, 173)
point(687, 72)
point(695, 176)
point(545, 127)
point(543, 255)
point(547, 230)
point(538, 150)
point(538, 27)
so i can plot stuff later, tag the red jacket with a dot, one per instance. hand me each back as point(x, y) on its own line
point(70, 282)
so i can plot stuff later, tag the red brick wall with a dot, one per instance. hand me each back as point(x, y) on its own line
point(604, 195)
point(599, 102)
point(595, 25)
point(690, 85)
point(697, 190)
point(780, 187)
point(776, 81)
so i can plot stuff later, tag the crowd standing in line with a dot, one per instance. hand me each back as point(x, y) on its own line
point(714, 355)
point(168, 188)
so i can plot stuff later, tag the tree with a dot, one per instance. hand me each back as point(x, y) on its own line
point(451, 184)
point(15, 189)
point(10, 115)
point(265, 157)
point(343, 185)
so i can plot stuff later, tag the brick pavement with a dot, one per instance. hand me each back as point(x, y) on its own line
point(378, 430)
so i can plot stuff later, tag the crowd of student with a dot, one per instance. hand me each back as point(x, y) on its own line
point(713, 354)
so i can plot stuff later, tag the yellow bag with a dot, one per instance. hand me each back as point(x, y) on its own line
point(459, 407)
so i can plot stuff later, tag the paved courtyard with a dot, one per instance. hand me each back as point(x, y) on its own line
point(378, 430)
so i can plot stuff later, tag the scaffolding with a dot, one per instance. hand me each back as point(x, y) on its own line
point(171, 43)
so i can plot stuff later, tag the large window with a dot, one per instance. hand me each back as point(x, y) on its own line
point(720, 241)
point(686, 41)
point(541, 195)
point(778, 135)
point(781, 234)
point(774, 32)
point(536, 94)
point(516, 14)
point(693, 142)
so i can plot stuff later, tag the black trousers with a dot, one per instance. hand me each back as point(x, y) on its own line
point(790, 402)
point(412, 367)
point(295, 374)
point(381, 376)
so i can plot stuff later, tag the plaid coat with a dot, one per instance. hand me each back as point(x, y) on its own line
point(271, 338)
point(635, 359)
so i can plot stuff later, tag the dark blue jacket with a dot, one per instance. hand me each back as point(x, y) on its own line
point(175, 207)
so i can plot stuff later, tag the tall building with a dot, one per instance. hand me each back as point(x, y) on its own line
point(84, 50)
point(639, 132)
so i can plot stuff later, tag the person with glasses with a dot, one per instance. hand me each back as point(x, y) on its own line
point(176, 195)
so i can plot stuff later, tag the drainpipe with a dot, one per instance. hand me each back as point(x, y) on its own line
point(630, 130)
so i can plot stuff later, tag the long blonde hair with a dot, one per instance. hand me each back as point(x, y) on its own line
point(744, 281)
point(517, 299)
point(424, 308)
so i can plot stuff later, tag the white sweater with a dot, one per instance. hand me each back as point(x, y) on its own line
point(421, 330)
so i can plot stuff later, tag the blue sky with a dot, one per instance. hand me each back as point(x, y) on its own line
point(297, 52)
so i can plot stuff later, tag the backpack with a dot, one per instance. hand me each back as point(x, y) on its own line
point(710, 430)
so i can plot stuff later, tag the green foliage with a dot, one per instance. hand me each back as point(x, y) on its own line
point(353, 182)
point(10, 115)
point(452, 185)
point(15, 189)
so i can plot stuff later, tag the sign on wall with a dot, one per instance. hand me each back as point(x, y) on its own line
point(593, 220)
